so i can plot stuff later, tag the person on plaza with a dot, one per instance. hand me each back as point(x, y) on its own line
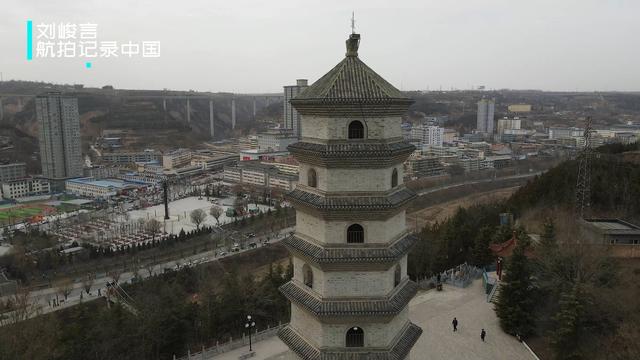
point(455, 324)
point(483, 334)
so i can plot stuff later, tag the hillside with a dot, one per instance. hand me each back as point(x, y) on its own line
point(140, 112)
point(615, 186)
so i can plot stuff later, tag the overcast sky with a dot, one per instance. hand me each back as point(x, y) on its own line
point(259, 46)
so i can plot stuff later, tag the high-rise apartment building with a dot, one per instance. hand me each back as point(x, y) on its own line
point(59, 136)
point(291, 116)
point(486, 112)
point(428, 135)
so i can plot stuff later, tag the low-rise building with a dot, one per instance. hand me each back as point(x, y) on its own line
point(470, 164)
point(101, 171)
point(260, 175)
point(217, 162)
point(496, 162)
point(24, 188)
point(276, 140)
point(255, 154)
point(610, 232)
point(449, 136)
point(556, 133)
point(130, 157)
point(519, 108)
point(12, 171)
point(176, 158)
point(144, 177)
point(419, 166)
point(283, 181)
point(92, 188)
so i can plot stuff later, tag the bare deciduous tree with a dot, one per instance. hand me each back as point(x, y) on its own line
point(114, 274)
point(216, 212)
point(64, 287)
point(154, 227)
point(22, 306)
point(87, 283)
point(197, 217)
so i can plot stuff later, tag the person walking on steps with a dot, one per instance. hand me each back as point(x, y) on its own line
point(483, 334)
point(455, 324)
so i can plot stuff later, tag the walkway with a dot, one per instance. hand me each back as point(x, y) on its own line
point(433, 311)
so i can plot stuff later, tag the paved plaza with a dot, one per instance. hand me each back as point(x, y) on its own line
point(179, 211)
point(433, 311)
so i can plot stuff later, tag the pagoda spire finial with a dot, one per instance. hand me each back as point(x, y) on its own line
point(354, 39)
point(353, 22)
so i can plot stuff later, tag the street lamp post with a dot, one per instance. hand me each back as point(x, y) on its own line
point(250, 324)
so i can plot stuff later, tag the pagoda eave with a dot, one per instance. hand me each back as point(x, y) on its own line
point(354, 308)
point(334, 258)
point(351, 154)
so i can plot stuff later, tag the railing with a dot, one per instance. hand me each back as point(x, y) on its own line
point(460, 276)
point(490, 285)
point(231, 344)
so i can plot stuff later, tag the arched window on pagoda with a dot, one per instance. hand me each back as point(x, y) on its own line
point(307, 275)
point(355, 337)
point(356, 130)
point(394, 178)
point(355, 234)
point(397, 275)
point(312, 178)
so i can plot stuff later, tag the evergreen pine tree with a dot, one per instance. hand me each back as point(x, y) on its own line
point(516, 302)
point(564, 339)
point(481, 254)
point(548, 241)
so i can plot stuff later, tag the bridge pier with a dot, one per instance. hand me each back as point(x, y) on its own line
point(211, 129)
point(254, 108)
point(233, 113)
point(188, 112)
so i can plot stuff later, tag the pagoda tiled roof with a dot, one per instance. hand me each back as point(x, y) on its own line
point(400, 349)
point(391, 305)
point(353, 254)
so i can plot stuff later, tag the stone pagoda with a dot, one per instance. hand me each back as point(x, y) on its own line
point(350, 290)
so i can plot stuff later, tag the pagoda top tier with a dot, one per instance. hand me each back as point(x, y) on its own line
point(351, 88)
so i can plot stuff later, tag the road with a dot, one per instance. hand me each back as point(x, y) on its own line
point(480, 181)
point(43, 299)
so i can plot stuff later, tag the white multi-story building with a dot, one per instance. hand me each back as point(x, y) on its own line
point(131, 157)
point(27, 187)
point(176, 158)
point(59, 136)
point(89, 187)
point(485, 119)
point(428, 135)
point(261, 175)
point(509, 124)
point(556, 133)
point(291, 116)
point(144, 177)
point(276, 139)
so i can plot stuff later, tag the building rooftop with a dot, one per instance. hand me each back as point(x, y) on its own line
point(612, 224)
point(113, 183)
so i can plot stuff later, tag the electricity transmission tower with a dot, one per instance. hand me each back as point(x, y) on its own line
point(583, 183)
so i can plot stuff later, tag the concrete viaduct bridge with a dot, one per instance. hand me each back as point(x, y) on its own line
point(187, 97)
